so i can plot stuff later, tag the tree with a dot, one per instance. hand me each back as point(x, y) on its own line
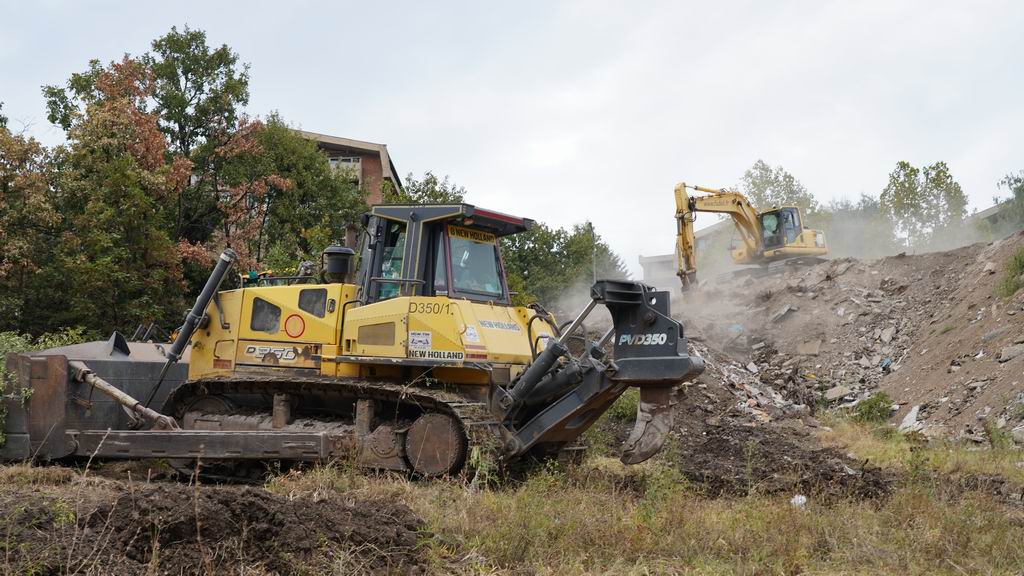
point(198, 90)
point(3, 119)
point(428, 190)
point(1014, 183)
point(196, 96)
point(545, 263)
point(28, 225)
point(280, 193)
point(921, 202)
point(765, 187)
point(111, 180)
point(858, 228)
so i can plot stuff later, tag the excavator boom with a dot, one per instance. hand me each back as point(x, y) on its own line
point(767, 236)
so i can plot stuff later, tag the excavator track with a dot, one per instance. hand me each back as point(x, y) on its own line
point(474, 448)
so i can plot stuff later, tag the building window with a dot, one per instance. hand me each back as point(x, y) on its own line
point(353, 165)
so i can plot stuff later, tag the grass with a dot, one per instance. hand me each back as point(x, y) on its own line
point(911, 454)
point(1012, 281)
point(605, 518)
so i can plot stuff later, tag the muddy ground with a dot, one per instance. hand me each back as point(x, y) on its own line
point(103, 526)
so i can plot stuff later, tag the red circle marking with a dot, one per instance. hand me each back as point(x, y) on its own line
point(288, 326)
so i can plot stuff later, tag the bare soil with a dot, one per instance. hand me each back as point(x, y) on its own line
point(110, 527)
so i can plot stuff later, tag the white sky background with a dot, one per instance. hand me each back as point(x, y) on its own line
point(568, 111)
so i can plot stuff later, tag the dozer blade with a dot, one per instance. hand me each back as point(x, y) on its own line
point(653, 421)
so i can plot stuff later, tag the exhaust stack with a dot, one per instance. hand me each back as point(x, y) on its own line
point(195, 315)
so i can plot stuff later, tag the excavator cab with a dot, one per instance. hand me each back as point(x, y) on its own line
point(780, 227)
point(784, 236)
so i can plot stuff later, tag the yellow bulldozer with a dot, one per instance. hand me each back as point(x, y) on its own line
point(765, 237)
point(407, 355)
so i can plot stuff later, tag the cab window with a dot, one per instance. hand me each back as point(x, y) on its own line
point(440, 270)
point(266, 317)
point(474, 260)
point(393, 252)
point(313, 301)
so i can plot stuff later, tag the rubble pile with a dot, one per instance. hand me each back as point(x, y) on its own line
point(786, 343)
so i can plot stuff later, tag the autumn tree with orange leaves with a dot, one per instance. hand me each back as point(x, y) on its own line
point(160, 171)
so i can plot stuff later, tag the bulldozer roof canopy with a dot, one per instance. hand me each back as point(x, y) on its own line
point(467, 215)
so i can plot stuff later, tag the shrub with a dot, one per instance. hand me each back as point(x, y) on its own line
point(874, 410)
point(1012, 281)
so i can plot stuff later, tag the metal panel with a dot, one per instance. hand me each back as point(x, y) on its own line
point(47, 406)
point(254, 445)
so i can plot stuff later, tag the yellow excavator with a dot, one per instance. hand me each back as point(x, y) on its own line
point(765, 237)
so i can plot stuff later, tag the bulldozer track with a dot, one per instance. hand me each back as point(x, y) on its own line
point(482, 432)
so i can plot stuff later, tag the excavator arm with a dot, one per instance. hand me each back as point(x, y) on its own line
point(720, 201)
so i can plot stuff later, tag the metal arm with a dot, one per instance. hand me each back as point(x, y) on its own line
point(195, 315)
point(723, 201)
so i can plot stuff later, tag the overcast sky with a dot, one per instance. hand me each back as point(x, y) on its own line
point(569, 111)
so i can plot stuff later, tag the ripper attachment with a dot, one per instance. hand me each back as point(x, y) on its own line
point(558, 396)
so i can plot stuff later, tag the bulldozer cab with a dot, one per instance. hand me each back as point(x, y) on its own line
point(435, 250)
point(780, 227)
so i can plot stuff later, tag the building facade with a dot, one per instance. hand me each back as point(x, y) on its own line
point(369, 164)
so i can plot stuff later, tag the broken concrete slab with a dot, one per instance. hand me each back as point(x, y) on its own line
point(782, 312)
point(887, 334)
point(1018, 434)
point(836, 392)
point(1011, 352)
point(910, 423)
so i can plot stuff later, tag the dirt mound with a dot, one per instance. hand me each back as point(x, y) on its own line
point(177, 529)
point(737, 460)
point(928, 329)
point(966, 370)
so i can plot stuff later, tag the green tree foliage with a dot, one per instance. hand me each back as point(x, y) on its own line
point(765, 187)
point(199, 90)
point(1014, 183)
point(544, 263)
point(3, 119)
point(159, 173)
point(29, 224)
point(923, 202)
point(299, 203)
point(426, 190)
point(92, 212)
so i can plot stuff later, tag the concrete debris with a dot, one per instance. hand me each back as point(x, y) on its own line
point(836, 392)
point(1011, 352)
point(782, 313)
point(1018, 434)
point(910, 423)
point(924, 328)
